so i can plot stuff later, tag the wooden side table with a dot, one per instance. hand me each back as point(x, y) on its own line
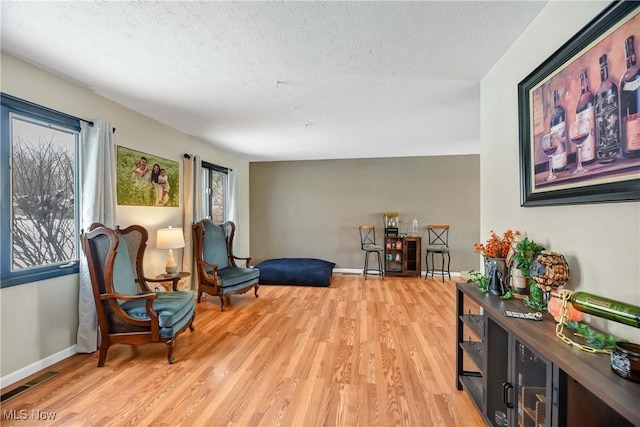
point(171, 278)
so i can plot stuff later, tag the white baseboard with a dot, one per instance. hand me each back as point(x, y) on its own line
point(359, 271)
point(348, 270)
point(16, 376)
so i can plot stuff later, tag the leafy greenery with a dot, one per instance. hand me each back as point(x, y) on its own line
point(483, 283)
point(479, 279)
point(592, 338)
point(525, 251)
point(535, 299)
point(507, 295)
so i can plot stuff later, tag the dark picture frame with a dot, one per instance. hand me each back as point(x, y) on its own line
point(611, 176)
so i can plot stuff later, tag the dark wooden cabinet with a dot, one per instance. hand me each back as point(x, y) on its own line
point(402, 256)
point(518, 373)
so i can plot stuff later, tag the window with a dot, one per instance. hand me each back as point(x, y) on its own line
point(214, 192)
point(38, 209)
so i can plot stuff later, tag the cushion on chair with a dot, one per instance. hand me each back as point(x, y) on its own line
point(372, 248)
point(215, 245)
point(231, 276)
point(239, 288)
point(170, 306)
point(296, 271)
point(437, 248)
point(171, 331)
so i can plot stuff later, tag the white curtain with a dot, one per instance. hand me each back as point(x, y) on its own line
point(232, 197)
point(97, 204)
point(192, 185)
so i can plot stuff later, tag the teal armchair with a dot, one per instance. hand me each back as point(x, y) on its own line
point(216, 268)
point(128, 312)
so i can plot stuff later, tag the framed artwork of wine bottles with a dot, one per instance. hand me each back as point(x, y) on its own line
point(579, 116)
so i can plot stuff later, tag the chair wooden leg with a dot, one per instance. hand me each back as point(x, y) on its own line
point(170, 345)
point(103, 353)
point(191, 327)
point(256, 290)
point(200, 296)
point(222, 298)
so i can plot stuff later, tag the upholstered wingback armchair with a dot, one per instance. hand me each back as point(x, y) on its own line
point(136, 237)
point(216, 268)
point(125, 315)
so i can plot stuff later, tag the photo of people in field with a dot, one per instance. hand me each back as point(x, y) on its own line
point(147, 180)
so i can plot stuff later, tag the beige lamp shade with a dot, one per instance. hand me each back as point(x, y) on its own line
point(170, 238)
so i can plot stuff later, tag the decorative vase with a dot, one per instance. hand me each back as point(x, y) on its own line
point(519, 282)
point(491, 264)
point(414, 227)
point(495, 269)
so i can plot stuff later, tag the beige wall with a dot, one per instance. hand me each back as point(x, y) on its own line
point(313, 208)
point(40, 319)
point(601, 241)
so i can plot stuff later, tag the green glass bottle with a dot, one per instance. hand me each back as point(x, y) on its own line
point(606, 308)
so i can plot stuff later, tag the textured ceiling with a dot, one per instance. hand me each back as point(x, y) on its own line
point(283, 80)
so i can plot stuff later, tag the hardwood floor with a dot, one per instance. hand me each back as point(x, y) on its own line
point(366, 353)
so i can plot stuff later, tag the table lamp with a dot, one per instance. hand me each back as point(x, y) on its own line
point(170, 238)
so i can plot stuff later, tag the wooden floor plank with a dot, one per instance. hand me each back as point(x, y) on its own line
point(359, 353)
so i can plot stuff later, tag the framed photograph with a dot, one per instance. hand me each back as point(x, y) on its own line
point(579, 116)
point(146, 180)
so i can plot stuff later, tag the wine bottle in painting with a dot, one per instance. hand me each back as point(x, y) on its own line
point(607, 116)
point(558, 125)
point(586, 111)
point(629, 103)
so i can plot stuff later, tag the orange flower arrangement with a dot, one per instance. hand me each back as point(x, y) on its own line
point(496, 246)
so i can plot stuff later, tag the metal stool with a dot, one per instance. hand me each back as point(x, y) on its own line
point(438, 243)
point(368, 244)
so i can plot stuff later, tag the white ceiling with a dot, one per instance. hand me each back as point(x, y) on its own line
point(283, 80)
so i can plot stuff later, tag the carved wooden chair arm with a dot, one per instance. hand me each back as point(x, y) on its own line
point(246, 259)
point(160, 280)
point(173, 279)
point(115, 295)
point(205, 264)
point(148, 297)
point(212, 276)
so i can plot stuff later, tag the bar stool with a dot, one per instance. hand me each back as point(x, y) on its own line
point(368, 244)
point(438, 243)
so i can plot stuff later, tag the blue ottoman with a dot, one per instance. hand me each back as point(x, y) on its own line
point(296, 271)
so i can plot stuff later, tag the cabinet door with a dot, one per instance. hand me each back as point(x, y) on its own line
point(576, 406)
point(496, 371)
point(532, 386)
point(412, 255)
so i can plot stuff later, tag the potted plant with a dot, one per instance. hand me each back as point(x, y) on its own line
point(495, 251)
point(525, 250)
